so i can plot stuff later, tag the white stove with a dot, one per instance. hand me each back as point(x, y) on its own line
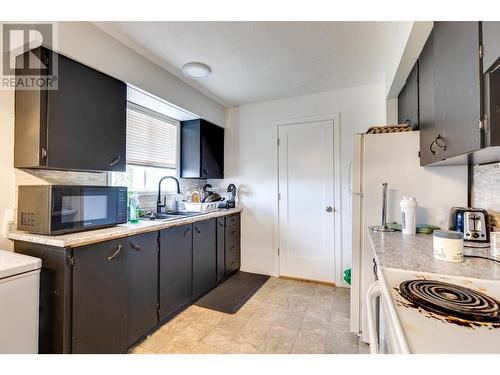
point(431, 313)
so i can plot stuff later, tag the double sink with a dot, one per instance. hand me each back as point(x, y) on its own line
point(170, 215)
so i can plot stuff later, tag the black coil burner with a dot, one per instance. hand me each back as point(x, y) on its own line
point(451, 300)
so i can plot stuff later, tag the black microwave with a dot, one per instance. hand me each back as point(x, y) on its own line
point(58, 209)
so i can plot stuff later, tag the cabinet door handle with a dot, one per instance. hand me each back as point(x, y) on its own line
point(115, 253)
point(114, 161)
point(197, 229)
point(437, 142)
point(135, 247)
point(187, 232)
point(221, 224)
point(232, 232)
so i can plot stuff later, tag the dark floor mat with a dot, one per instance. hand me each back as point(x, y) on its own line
point(233, 293)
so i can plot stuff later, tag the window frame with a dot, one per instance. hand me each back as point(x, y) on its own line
point(178, 150)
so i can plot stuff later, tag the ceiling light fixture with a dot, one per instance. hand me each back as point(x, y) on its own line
point(196, 70)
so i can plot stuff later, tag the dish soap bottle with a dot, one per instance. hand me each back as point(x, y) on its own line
point(134, 208)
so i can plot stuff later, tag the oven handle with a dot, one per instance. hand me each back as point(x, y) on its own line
point(374, 292)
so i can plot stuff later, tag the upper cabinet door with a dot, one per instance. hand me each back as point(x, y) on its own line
point(408, 100)
point(491, 45)
point(212, 151)
point(202, 150)
point(428, 131)
point(81, 125)
point(86, 120)
point(457, 87)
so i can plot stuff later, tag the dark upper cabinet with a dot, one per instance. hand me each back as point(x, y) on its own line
point(142, 285)
point(426, 101)
point(449, 77)
point(175, 269)
point(204, 257)
point(81, 125)
point(491, 45)
point(202, 150)
point(408, 100)
point(100, 298)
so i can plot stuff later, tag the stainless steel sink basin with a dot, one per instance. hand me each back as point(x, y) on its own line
point(169, 216)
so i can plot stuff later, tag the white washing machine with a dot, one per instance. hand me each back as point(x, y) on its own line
point(19, 301)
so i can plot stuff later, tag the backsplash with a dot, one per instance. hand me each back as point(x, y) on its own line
point(486, 191)
point(148, 201)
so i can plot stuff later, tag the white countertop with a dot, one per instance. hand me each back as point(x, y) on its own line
point(118, 231)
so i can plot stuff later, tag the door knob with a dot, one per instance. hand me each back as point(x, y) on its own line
point(329, 209)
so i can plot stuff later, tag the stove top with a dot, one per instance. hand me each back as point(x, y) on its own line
point(444, 314)
point(458, 304)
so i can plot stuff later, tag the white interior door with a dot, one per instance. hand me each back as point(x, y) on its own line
point(306, 191)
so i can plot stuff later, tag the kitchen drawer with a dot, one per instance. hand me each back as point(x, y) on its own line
point(233, 258)
point(233, 220)
point(232, 233)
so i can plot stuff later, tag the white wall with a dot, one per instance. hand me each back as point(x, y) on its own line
point(88, 44)
point(358, 108)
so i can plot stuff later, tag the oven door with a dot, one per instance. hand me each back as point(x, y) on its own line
point(389, 338)
point(76, 208)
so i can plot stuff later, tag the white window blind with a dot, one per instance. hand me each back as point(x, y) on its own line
point(151, 138)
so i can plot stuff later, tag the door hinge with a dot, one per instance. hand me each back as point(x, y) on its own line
point(44, 152)
point(279, 196)
point(482, 124)
point(278, 142)
point(480, 51)
point(158, 306)
point(71, 261)
point(278, 251)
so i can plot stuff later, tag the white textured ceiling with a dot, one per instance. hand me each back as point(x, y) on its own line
point(258, 61)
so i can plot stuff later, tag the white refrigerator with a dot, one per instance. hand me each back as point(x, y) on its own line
point(393, 158)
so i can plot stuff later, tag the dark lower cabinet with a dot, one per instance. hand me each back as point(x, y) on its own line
point(105, 297)
point(175, 269)
point(100, 298)
point(232, 244)
point(221, 248)
point(142, 285)
point(204, 257)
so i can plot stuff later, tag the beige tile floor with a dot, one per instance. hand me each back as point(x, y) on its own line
point(284, 316)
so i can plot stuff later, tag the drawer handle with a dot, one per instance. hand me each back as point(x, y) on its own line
point(232, 232)
point(114, 161)
point(135, 247)
point(233, 263)
point(197, 230)
point(115, 253)
point(221, 224)
point(233, 247)
point(187, 232)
